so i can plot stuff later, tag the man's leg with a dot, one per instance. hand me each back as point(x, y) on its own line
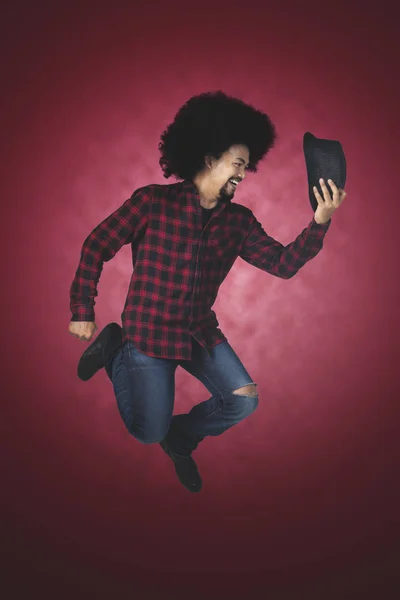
point(144, 388)
point(234, 397)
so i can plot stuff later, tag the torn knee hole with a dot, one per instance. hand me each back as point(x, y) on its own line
point(247, 390)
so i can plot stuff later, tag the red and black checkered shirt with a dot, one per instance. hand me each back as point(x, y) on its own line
point(181, 253)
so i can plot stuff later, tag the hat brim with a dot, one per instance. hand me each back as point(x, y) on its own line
point(324, 159)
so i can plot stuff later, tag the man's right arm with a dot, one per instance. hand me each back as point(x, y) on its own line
point(123, 226)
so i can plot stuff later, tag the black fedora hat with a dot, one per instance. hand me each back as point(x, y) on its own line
point(324, 159)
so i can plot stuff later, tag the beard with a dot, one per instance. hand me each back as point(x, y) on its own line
point(226, 192)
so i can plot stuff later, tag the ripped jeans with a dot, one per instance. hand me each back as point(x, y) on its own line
point(144, 388)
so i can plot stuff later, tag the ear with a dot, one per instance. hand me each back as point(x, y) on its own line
point(208, 161)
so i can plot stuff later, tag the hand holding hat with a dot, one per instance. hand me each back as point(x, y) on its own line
point(327, 204)
point(326, 167)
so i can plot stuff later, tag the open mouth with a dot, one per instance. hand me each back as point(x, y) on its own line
point(233, 182)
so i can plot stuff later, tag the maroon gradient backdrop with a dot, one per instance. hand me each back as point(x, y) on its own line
point(300, 498)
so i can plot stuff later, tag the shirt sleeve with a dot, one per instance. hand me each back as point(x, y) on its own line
point(267, 254)
point(123, 226)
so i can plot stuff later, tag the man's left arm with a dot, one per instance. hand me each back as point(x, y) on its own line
point(267, 254)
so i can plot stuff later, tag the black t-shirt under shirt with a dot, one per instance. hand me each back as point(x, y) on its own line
point(206, 212)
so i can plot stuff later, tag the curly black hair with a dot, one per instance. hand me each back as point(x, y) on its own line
point(208, 125)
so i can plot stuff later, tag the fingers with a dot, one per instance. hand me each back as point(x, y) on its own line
point(326, 193)
point(81, 337)
point(334, 198)
point(83, 330)
point(85, 337)
point(343, 195)
point(318, 196)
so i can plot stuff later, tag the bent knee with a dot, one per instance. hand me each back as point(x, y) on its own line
point(248, 399)
point(149, 435)
point(247, 390)
point(252, 403)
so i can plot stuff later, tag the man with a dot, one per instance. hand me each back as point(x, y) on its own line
point(185, 237)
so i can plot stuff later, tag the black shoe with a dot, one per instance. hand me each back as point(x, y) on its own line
point(185, 468)
point(105, 345)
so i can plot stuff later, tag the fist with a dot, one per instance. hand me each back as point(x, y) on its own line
point(82, 330)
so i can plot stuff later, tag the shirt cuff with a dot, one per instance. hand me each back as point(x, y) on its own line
point(323, 226)
point(83, 316)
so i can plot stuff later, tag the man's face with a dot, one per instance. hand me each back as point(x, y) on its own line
point(231, 165)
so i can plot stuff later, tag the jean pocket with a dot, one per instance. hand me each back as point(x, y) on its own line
point(140, 360)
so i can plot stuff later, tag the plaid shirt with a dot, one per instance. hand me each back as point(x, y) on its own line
point(181, 253)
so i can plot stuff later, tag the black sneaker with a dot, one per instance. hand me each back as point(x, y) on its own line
point(185, 468)
point(104, 346)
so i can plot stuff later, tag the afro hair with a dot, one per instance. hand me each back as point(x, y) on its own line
point(208, 125)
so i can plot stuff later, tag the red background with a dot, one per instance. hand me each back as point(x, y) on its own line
point(299, 499)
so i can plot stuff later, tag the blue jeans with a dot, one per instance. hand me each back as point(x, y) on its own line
point(144, 388)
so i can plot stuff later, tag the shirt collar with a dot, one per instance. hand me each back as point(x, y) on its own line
point(189, 187)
